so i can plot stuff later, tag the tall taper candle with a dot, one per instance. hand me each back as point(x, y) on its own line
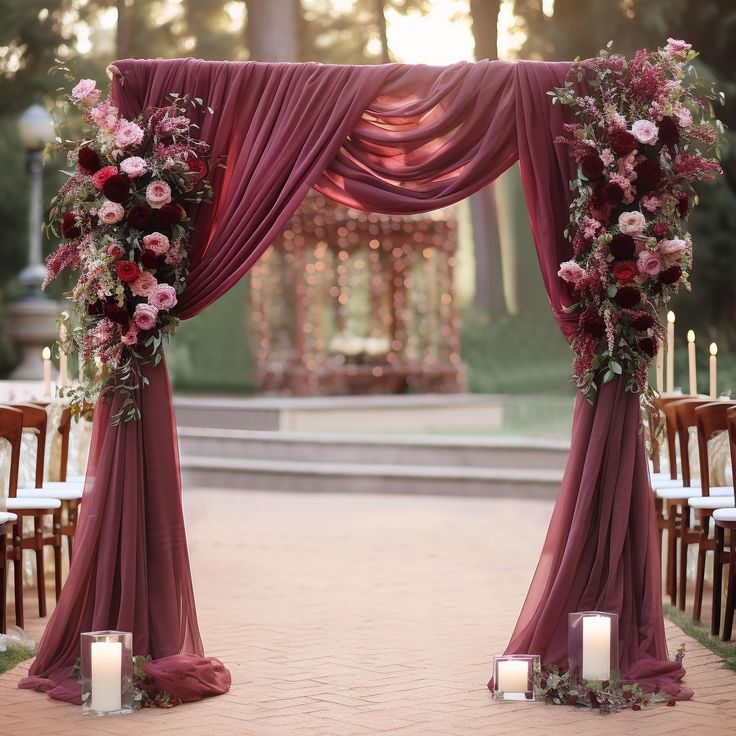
point(670, 352)
point(713, 371)
point(660, 369)
point(46, 355)
point(691, 362)
point(63, 358)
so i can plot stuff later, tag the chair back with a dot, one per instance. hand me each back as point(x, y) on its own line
point(669, 425)
point(684, 412)
point(36, 419)
point(710, 419)
point(11, 429)
point(731, 421)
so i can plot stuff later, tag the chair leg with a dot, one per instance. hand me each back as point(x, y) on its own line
point(700, 576)
point(658, 504)
point(18, 572)
point(671, 554)
point(70, 546)
point(57, 552)
point(731, 597)
point(682, 582)
point(3, 583)
point(40, 567)
point(715, 617)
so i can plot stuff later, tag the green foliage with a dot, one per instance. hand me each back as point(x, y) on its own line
point(13, 656)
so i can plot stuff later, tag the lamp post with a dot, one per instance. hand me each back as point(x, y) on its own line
point(32, 317)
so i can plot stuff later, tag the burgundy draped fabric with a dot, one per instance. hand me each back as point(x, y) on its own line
point(394, 139)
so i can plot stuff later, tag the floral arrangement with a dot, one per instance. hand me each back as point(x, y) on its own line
point(642, 137)
point(122, 217)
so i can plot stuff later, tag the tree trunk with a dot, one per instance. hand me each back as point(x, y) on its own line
point(489, 293)
point(272, 30)
point(381, 19)
point(124, 32)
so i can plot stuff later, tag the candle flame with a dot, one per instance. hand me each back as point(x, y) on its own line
point(46, 354)
point(691, 335)
point(713, 349)
point(671, 317)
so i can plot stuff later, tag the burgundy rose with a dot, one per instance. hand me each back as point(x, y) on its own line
point(627, 296)
point(592, 167)
point(168, 215)
point(118, 314)
point(661, 229)
point(622, 246)
point(69, 227)
point(88, 159)
point(648, 346)
point(127, 271)
point(648, 175)
point(198, 168)
point(624, 143)
point(612, 194)
point(148, 259)
point(642, 322)
point(683, 204)
point(140, 216)
point(593, 324)
point(669, 133)
point(670, 275)
point(117, 188)
point(95, 309)
point(625, 271)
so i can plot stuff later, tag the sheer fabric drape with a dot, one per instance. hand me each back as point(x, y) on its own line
point(394, 139)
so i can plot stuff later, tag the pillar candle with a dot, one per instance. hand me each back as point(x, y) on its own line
point(713, 371)
point(106, 684)
point(46, 356)
point(691, 362)
point(596, 648)
point(513, 676)
point(670, 352)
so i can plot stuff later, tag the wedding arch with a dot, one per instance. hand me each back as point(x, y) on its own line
point(395, 139)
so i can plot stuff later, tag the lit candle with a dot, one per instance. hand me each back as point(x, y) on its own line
point(63, 364)
point(513, 676)
point(596, 648)
point(713, 370)
point(46, 355)
point(106, 681)
point(670, 352)
point(691, 362)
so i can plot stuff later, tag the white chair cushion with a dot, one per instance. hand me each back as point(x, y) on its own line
point(725, 515)
point(53, 485)
point(672, 494)
point(6, 517)
point(32, 504)
point(63, 494)
point(669, 483)
point(75, 479)
point(711, 502)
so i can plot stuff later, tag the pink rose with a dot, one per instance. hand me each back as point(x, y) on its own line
point(156, 242)
point(114, 250)
point(645, 131)
point(571, 272)
point(144, 284)
point(649, 263)
point(101, 176)
point(86, 91)
point(131, 336)
point(163, 297)
point(145, 316)
point(683, 115)
point(158, 193)
point(675, 47)
point(111, 212)
point(128, 134)
point(672, 250)
point(631, 223)
point(133, 166)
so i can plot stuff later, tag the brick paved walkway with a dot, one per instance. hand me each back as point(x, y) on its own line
point(361, 615)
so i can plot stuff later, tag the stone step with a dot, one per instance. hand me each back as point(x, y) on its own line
point(368, 449)
point(320, 477)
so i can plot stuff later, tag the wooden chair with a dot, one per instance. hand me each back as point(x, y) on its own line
point(710, 419)
point(726, 519)
point(6, 520)
point(11, 428)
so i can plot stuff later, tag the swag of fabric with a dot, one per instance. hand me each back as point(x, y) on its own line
point(395, 139)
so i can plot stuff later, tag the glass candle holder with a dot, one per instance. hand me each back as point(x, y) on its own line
point(107, 673)
point(593, 645)
point(513, 676)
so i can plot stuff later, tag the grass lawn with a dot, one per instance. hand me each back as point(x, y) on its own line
point(14, 656)
point(724, 649)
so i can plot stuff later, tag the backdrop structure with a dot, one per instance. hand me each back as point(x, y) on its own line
point(394, 139)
